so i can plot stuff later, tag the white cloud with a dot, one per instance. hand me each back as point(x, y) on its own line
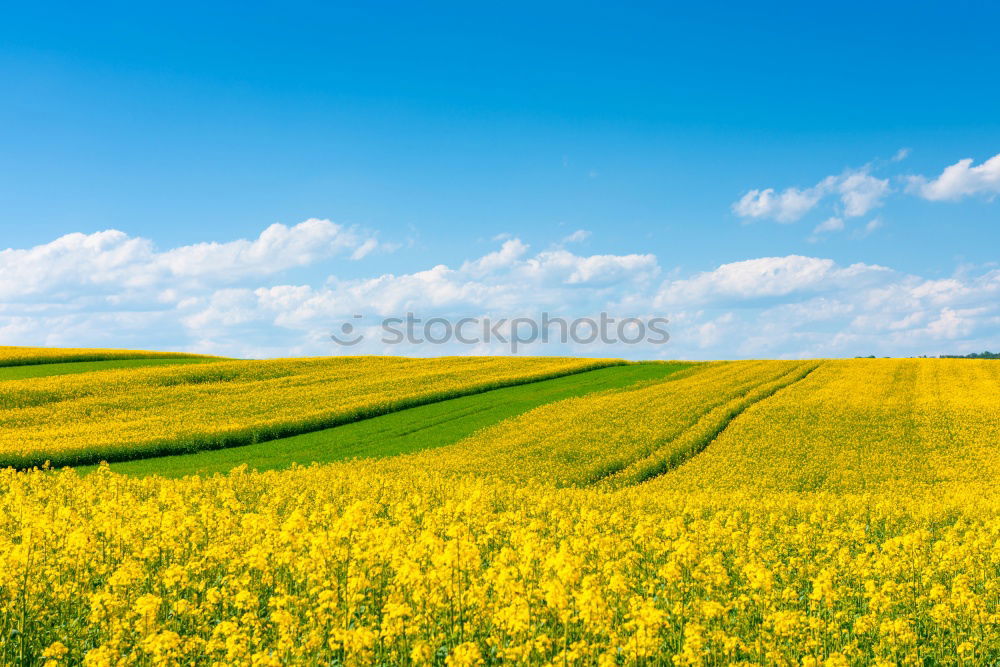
point(108, 289)
point(833, 224)
point(113, 262)
point(953, 324)
point(364, 249)
point(276, 249)
point(72, 261)
point(766, 277)
point(509, 253)
point(578, 236)
point(787, 206)
point(564, 267)
point(870, 227)
point(960, 180)
point(858, 191)
point(225, 309)
point(713, 332)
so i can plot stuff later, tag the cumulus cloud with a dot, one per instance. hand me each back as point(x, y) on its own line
point(72, 261)
point(960, 180)
point(858, 191)
point(509, 253)
point(109, 289)
point(788, 205)
point(766, 277)
point(561, 266)
point(276, 249)
point(113, 262)
point(812, 307)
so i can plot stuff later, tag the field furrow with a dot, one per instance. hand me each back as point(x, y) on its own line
point(692, 441)
point(859, 426)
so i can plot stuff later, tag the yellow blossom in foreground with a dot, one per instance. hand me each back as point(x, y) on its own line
point(850, 515)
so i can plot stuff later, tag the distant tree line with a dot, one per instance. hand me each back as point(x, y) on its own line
point(974, 355)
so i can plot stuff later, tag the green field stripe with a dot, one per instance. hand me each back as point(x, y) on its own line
point(97, 357)
point(250, 433)
point(28, 371)
point(413, 429)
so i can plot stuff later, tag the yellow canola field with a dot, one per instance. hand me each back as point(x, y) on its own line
point(125, 414)
point(746, 553)
point(348, 564)
point(581, 441)
point(909, 425)
point(25, 356)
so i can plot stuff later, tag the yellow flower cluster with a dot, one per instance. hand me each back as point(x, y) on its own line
point(344, 563)
point(125, 414)
point(25, 356)
point(845, 514)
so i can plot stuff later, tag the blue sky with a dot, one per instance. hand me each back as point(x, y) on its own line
point(441, 131)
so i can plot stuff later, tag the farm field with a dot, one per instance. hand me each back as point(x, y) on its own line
point(759, 512)
point(422, 427)
point(132, 413)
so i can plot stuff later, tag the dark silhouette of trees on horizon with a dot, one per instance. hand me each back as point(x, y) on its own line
point(974, 355)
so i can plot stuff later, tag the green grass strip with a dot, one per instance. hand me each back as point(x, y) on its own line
point(71, 368)
point(8, 358)
point(257, 433)
point(410, 430)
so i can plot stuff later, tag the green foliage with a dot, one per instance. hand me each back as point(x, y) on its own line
point(974, 355)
